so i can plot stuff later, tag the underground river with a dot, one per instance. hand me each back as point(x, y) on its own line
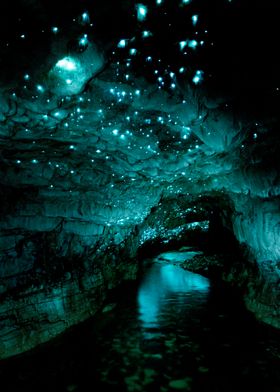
point(175, 331)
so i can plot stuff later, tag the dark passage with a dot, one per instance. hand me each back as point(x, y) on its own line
point(176, 331)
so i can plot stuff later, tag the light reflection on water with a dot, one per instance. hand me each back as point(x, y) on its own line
point(159, 286)
point(174, 332)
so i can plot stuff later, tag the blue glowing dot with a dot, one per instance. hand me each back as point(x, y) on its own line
point(115, 132)
point(194, 19)
point(182, 70)
point(192, 44)
point(133, 51)
point(141, 12)
point(55, 30)
point(69, 81)
point(159, 2)
point(198, 77)
point(149, 59)
point(40, 88)
point(146, 34)
point(66, 64)
point(34, 161)
point(26, 77)
point(183, 44)
point(85, 17)
point(186, 1)
point(122, 43)
point(83, 41)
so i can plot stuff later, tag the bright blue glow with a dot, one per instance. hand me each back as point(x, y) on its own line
point(26, 77)
point(181, 70)
point(85, 17)
point(160, 283)
point(66, 64)
point(133, 51)
point(183, 44)
point(122, 43)
point(192, 44)
point(146, 34)
point(198, 77)
point(159, 2)
point(186, 1)
point(141, 12)
point(40, 88)
point(84, 40)
point(194, 19)
point(55, 30)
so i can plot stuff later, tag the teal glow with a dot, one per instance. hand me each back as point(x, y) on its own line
point(186, 1)
point(40, 88)
point(66, 64)
point(159, 2)
point(133, 52)
point(183, 44)
point(162, 281)
point(55, 30)
point(84, 40)
point(194, 19)
point(141, 12)
point(122, 43)
point(146, 34)
point(198, 77)
point(192, 44)
point(85, 17)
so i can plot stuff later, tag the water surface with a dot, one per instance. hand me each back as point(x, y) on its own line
point(175, 331)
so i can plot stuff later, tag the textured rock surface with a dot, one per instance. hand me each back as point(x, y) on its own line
point(95, 166)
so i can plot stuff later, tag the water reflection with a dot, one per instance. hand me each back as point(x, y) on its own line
point(160, 285)
point(177, 333)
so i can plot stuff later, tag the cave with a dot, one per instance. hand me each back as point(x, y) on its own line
point(139, 182)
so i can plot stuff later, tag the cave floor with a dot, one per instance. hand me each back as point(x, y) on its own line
point(175, 331)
